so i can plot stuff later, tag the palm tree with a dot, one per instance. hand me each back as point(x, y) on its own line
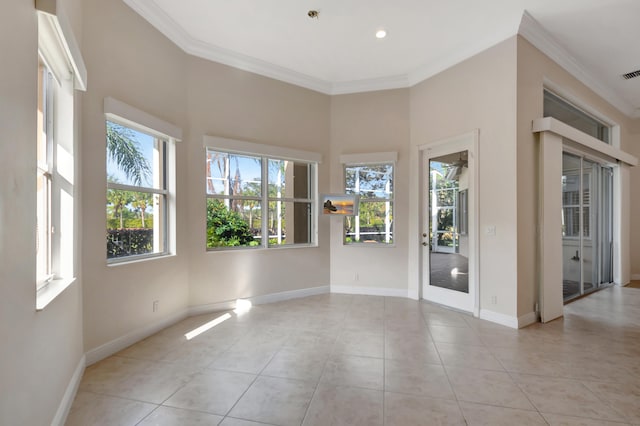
point(125, 152)
point(140, 202)
point(119, 200)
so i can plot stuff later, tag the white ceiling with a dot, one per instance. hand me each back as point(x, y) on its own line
point(596, 40)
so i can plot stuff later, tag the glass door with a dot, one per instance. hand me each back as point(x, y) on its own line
point(447, 181)
point(449, 228)
point(587, 226)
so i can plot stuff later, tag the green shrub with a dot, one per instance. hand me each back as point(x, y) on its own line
point(226, 228)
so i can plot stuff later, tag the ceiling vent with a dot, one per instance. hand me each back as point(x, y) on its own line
point(631, 75)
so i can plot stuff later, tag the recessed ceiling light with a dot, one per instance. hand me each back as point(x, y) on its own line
point(381, 33)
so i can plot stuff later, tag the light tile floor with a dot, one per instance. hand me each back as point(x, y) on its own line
point(360, 360)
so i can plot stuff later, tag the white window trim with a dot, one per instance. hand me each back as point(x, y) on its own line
point(369, 158)
point(59, 50)
point(575, 101)
point(260, 150)
point(267, 152)
point(550, 124)
point(59, 40)
point(129, 116)
point(364, 159)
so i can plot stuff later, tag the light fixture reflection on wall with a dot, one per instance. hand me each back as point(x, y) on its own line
point(381, 33)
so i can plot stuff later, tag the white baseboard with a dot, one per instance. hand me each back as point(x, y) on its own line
point(370, 291)
point(211, 307)
point(69, 395)
point(635, 277)
point(527, 319)
point(286, 295)
point(259, 300)
point(498, 318)
point(116, 345)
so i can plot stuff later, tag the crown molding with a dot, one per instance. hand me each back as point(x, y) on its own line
point(371, 85)
point(256, 66)
point(535, 33)
point(153, 14)
point(529, 28)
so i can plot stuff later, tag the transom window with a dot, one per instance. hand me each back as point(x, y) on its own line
point(374, 222)
point(560, 109)
point(259, 200)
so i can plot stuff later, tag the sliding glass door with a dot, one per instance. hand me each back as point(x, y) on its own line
point(587, 225)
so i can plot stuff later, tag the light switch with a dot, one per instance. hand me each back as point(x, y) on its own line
point(490, 230)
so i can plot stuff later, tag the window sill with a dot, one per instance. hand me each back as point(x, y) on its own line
point(261, 248)
point(49, 292)
point(369, 245)
point(137, 259)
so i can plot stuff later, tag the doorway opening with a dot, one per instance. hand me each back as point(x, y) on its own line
point(587, 225)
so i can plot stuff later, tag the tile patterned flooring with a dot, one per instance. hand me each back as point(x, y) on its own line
point(361, 360)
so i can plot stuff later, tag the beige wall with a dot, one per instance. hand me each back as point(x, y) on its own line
point(129, 60)
point(368, 123)
point(132, 62)
point(479, 93)
point(632, 146)
point(534, 68)
point(227, 102)
point(40, 350)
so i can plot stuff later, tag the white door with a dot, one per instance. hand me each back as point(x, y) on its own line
point(449, 223)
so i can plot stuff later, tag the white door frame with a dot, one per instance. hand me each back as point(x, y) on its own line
point(466, 302)
point(554, 138)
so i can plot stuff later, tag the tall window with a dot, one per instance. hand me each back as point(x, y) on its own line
point(44, 227)
point(560, 109)
point(136, 192)
point(258, 200)
point(61, 70)
point(374, 184)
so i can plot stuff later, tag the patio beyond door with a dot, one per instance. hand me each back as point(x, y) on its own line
point(587, 225)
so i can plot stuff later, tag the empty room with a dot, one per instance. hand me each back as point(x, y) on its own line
point(319, 213)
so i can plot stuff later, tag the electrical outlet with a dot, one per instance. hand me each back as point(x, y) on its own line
point(356, 277)
point(156, 304)
point(494, 300)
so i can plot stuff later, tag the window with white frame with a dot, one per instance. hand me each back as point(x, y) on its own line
point(374, 222)
point(140, 184)
point(60, 71)
point(259, 199)
point(562, 110)
point(45, 171)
